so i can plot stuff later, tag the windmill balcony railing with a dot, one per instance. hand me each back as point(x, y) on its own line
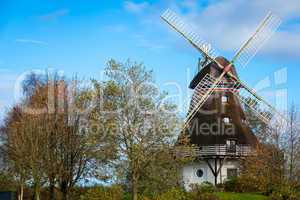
point(218, 150)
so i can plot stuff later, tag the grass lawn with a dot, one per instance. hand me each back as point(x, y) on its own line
point(240, 196)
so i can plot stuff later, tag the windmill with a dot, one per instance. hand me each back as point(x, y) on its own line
point(262, 108)
point(214, 149)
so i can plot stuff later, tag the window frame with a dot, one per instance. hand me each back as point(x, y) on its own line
point(202, 173)
point(232, 173)
point(224, 99)
point(224, 119)
point(231, 145)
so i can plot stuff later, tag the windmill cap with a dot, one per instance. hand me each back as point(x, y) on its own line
point(213, 69)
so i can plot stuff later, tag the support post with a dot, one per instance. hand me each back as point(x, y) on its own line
point(214, 169)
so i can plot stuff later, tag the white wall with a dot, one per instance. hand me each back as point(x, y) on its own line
point(190, 177)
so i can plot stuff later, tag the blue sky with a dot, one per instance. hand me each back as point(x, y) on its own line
point(79, 36)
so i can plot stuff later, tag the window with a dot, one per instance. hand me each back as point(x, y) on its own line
point(226, 120)
point(231, 146)
point(224, 99)
point(199, 173)
point(232, 173)
point(230, 142)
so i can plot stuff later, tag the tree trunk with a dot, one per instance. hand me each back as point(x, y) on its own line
point(36, 191)
point(134, 185)
point(134, 189)
point(291, 144)
point(21, 192)
point(52, 189)
point(65, 196)
point(64, 190)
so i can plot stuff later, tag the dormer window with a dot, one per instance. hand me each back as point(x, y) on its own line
point(226, 120)
point(224, 99)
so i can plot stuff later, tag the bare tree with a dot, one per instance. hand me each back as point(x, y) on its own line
point(14, 149)
point(47, 135)
point(25, 149)
point(292, 144)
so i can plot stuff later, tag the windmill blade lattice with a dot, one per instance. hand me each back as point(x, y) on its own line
point(262, 110)
point(200, 90)
point(262, 34)
point(187, 32)
point(205, 88)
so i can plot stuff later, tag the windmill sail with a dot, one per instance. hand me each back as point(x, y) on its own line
point(264, 31)
point(262, 110)
point(205, 88)
point(187, 32)
point(200, 90)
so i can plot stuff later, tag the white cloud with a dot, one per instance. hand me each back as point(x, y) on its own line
point(227, 24)
point(23, 40)
point(135, 7)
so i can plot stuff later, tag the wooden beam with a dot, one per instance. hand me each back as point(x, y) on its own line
point(215, 169)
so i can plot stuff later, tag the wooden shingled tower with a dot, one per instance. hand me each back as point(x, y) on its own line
point(221, 118)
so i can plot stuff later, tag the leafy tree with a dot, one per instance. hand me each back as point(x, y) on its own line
point(7, 183)
point(264, 171)
point(142, 123)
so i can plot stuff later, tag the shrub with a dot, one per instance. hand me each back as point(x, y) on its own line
point(204, 191)
point(144, 198)
point(232, 185)
point(206, 196)
point(174, 194)
point(127, 196)
point(103, 193)
point(241, 185)
point(205, 187)
point(285, 192)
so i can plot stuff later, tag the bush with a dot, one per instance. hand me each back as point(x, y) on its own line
point(103, 193)
point(232, 185)
point(174, 194)
point(127, 196)
point(205, 187)
point(240, 185)
point(206, 196)
point(285, 192)
point(204, 191)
